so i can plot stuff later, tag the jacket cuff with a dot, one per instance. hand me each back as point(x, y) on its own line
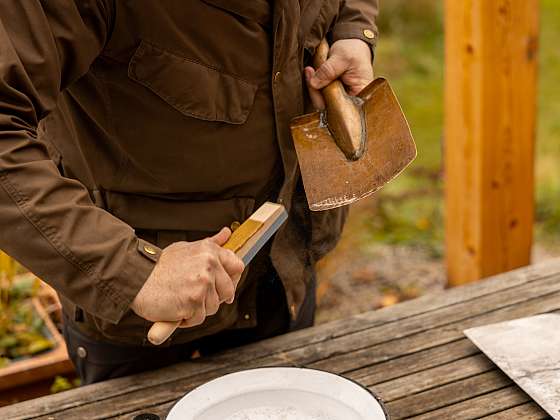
point(353, 30)
point(140, 262)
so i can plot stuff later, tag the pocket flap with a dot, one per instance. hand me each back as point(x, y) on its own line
point(194, 89)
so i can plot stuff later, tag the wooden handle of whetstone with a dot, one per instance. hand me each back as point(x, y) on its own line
point(246, 241)
point(345, 116)
point(162, 330)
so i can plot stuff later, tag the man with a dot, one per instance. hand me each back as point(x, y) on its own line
point(134, 132)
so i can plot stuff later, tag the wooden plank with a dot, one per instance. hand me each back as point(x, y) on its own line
point(435, 377)
point(527, 411)
point(350, 359)
point(370, 356)
point(483, 405)
point(165, 392)
point(296, 342)
point(441, 397)
point(404, 365)
point(442, 299)
point(161, 411)
point(490, 117)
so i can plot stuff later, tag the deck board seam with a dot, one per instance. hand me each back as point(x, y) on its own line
point(424, 370)
point(443, 326)
point(423, 413)
point(505, 409)
point(440, 385)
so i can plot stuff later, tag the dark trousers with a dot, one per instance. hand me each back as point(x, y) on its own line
point(98, 361)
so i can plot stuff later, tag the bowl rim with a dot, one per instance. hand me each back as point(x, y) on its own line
point(369, 391)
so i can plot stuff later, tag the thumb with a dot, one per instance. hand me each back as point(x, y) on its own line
point(331, 70)
point(221, 237)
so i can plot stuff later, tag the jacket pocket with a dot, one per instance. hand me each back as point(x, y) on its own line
point(192, 88)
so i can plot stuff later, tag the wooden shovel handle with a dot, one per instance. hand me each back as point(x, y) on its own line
point(344, 113)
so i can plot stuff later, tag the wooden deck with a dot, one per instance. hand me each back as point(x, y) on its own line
point(414, 355)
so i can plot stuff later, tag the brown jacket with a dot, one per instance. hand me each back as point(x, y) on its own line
point(162, 120)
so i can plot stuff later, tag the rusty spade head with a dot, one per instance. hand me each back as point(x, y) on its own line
point(354, 147)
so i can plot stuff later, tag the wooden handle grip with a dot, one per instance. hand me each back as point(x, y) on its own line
point(161, 331)
point(344, 113)
point(334, 94)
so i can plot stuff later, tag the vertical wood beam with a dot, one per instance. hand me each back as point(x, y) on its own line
point(490, 123)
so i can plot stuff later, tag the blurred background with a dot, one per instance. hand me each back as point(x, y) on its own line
point(392, 247)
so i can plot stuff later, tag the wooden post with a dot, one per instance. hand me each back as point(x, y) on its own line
point(490, 105)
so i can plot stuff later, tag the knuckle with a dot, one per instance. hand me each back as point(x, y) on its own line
point(204, 278)
point(231, 254)
point(230, 292)
point(210, 258)
point(185, 312)
point(198, 318)
point(197, 296)
point(329, 71)
point(212, 310)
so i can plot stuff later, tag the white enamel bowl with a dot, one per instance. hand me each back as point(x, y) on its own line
point(280, 393)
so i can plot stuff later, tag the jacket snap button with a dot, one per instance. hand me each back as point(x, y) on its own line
point(82, 352)
point(234, 226)
point(247, 317)
point(369, 34)
point(277, 76)
point(150, 250)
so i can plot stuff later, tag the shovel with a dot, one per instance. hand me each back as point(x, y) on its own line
point(355, 146)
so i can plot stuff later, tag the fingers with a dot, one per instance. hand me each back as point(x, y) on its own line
point(198, 317)
point(208, 307)
point(212, 302)
point(316, 97)
point(225, 286)
point(350, 61)
point(220, 290)
point(198, 308)
point(221, 237)
point(331, 70)
point(217, 282)
point(231, 262)
point(356, 80)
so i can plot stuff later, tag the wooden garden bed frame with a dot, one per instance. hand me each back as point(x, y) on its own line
point(45, 365)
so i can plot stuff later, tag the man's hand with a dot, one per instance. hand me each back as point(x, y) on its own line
point(350, 60)
point(190, 281)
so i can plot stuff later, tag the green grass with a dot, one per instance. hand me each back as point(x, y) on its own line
point(548, 144)
point(410, 55)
